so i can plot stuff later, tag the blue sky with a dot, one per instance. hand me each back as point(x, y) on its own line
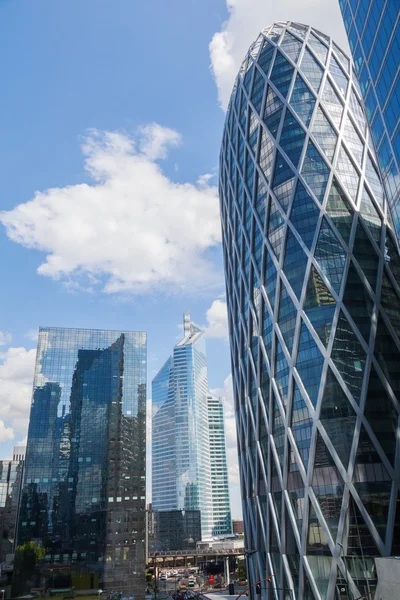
point(110, 113)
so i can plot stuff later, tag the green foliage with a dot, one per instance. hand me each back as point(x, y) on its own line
point(241, 570)
point(27, 556)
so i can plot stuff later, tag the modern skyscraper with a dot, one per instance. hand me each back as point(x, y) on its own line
point(181, 463)
point(222, 521)
point(11, 472)
point(373, 29)
point(312, 278)
point(83, 494)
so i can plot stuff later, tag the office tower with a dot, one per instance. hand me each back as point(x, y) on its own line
point(373, 29)
point(83, 495)
point(175, 530)
point(222, 522)
point(10, 488)
point(181, 463)
point(237, 527)
point(312, 279)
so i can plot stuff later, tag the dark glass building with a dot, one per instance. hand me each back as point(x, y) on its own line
point(83, 495)
point(11, 472)
point(174, 530)
point(312, 281)
point(373, 29)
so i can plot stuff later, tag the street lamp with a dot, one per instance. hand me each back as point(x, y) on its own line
point(2, 594)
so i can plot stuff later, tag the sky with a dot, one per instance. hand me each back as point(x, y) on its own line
point(111, 117)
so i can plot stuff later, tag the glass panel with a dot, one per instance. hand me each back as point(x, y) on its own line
point(308, 593)
point(357, 111)
point(295, 485)
point(332, 102)
point(309, 363)
point(304, 215)
point(387, 355)
point(330, 255)
point(327, 485)
point(320, 50)
point(267, 331)
point(265, 56)
point(247, 79)
point(349, 357)
point(261, 198)
point(311, 69)
point(287, 318)
point(295, 263)
point(390, 303)
point(366, 256)
point(353, 141)
point(299, 29)
point(292, 138)
point(253, 130)
point(281, 373)
point(374, 181)
point(319, 306)
point(291, 46)
point(372, 482)
point(324, 134)
point(266, 154)
point(348, 174)
point(272, 111)
point(275, 229)
point(338, 75)
point(392, 258)
point(315, 171)
point(258, 90)
point(302, 100)
point(316, 538)
point(321, 570)
point(360, 541)
point(338, 418)
point(370, 216)
point(358, 302)
point(281, 75)
point(278, 429)
point(301, 424)
point(283, 181)
point(339, 210)
point(264, 387)
point(396, 530)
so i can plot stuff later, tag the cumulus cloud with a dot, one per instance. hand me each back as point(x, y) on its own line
point(226, 392)
point(248, 17)
point(217, 319)
point(5, 338)
point(16, 376)
point(131, 230)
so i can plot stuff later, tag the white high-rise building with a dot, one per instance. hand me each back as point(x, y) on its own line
point(182, 465)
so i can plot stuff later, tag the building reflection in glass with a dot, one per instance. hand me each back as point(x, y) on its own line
point(83, 495)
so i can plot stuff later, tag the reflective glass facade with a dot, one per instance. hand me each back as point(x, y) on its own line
point(312, 280)
point(83, 494)
point(373, 29)
point(222, 522)
point(182, 465)
point(11, 472)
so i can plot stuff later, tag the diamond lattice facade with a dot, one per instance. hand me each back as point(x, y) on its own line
point(83, 493)
point(373, 29)
point(312, 276)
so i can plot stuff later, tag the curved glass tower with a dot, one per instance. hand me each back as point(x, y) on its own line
point(314, 313)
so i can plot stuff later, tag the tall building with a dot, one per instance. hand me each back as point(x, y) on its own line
point(175, 530)
point(181, 466)
point(373, 29)
point(83, 495)
point(11, 472)
point(237, 527)
point(312, 280)
point(222, 521)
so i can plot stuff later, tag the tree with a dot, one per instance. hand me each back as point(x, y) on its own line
point(26, 560)
point(241, 570)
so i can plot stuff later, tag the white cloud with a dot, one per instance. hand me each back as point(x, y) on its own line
point(5, 338)
point(16, 377)
point(6, 433)
point(248, 17)
point(226, 392)
point(133, 229)
point(217, 320)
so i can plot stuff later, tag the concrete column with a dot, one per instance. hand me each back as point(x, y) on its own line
point(226, 570)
